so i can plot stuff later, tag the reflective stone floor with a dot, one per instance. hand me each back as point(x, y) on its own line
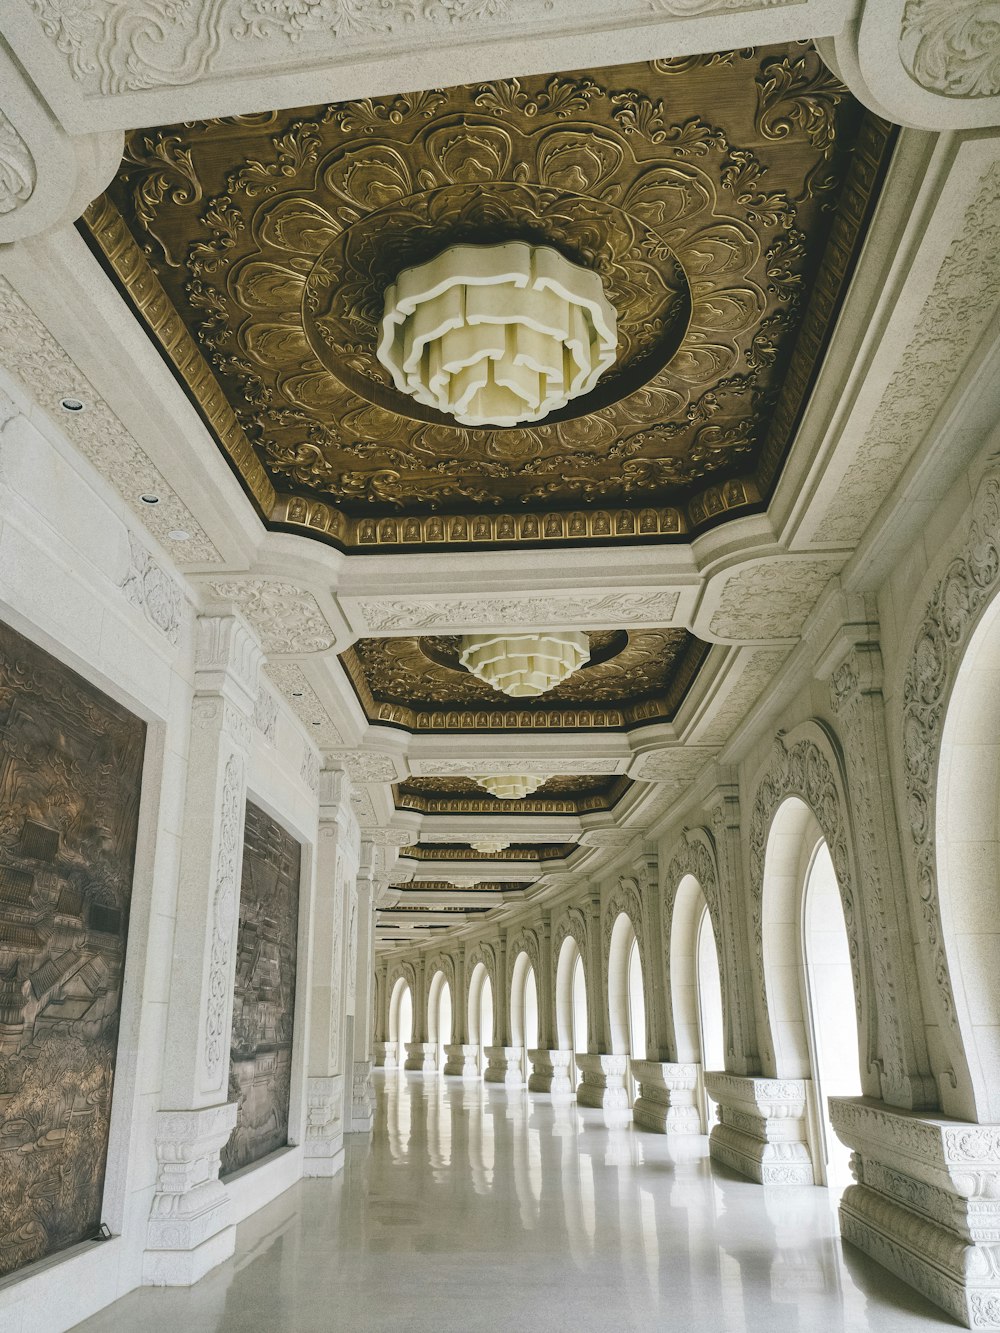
point(476, 1208)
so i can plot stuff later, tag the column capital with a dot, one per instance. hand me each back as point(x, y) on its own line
point(227, 660)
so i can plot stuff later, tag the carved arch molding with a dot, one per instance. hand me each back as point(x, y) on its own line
point(954, 609)
point(809, 768)
point(625, 900)
point(526, 941)
point(485, 954)
point(695, 855)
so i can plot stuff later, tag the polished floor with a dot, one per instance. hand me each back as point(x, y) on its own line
point(475, 1208)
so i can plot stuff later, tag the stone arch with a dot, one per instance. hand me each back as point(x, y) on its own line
point(624, 898)
point(949, 699)
point(483, 953)
point(693, 862)
point(621, 938)
point(806, 763)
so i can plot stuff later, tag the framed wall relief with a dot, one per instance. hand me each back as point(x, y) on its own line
point(260, 1061)
point(70, 779)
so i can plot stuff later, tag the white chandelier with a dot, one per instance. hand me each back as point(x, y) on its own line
point(524, 665)
point(510, 786)
point(489, 848)
point(497, 335)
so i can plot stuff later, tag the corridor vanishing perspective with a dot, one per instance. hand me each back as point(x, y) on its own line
point(533, 1213)
point(499, 665)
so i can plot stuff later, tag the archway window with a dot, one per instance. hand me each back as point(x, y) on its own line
point(636, 1005)
point(580, 1032)
point(833, 1033)
point(524, 1010)
point(480, 1014)
point(711, 1041)
point(401, 1019)
point(439, 1016)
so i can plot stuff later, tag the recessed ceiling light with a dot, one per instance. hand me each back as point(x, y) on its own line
point(71, 404)
point(296, 694)
point(317, 724)
point(178, 534)
point(150, 499)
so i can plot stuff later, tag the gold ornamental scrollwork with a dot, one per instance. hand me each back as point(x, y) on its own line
point(703, 191)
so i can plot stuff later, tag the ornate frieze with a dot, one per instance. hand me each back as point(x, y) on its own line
point(17, 168)
point(287, 619)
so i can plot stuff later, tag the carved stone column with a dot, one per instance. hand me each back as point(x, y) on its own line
point(337, 855)
point(421, 1056)
point(386, 1055)
point(189, 1228)
point(926, 1204)
point(897, 1053)
point(361, 970)
point(739, 1013)
point(504, 1066)
point(668, 1097)
point(597, 1001)
point(762, 1133)
point(462, 1061)
point(550, 1072)
point(603, 1081)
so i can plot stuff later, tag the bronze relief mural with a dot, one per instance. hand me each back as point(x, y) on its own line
point(633, 677)
point(70, 778)
point(260, 1060)
point(722, 200)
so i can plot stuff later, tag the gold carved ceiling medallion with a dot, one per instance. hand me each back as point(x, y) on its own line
point(563, 795)
point(633, 677)
point(720, 199)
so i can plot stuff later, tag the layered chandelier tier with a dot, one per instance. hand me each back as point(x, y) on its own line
point(489, 847)
point(510, 786)
point(524, 666)
point(497, 335)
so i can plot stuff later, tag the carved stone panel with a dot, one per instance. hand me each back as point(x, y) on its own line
point(260, 1060)
point(70, 776)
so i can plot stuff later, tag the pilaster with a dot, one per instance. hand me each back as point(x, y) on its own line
point(189, 1229)
point(926, 1204)
point(324, 1143)
point(668, 1097)
point(762, 1129)
point(603, 1081)
point(597, 1015)
point(550, 1072)
point(546, 986)
point(338, 851)
point(361, 967)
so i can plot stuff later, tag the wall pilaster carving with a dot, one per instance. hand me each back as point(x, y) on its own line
point(856, 697)
point(151, 590)
point(224, 916)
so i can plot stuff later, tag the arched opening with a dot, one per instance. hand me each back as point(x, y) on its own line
point(967, 846)
point(401, 1019)
point(696, 988)
point(833, 1035)
point(480, 1016)
point(571, 1004)
point(439, 1016)
point(711, 1041)
point(808, 977)
point(524, 1010)
point(626, 995)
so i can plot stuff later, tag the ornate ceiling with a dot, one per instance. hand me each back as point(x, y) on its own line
point(556, 796)
point(633, 676)
point(721, 198)
point(517, 851)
